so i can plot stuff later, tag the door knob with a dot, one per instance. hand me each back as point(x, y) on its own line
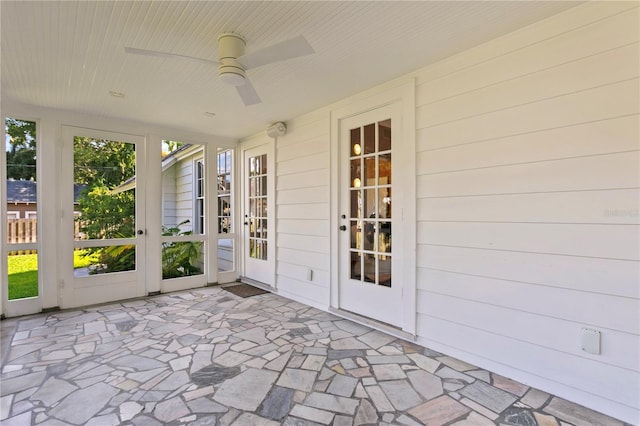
point(343, 227)
point(140, 232)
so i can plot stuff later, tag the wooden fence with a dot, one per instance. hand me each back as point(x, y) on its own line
point(21, 231)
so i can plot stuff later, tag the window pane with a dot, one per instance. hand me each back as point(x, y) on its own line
point(225, 255)
point(22, 274)
point(181, 259)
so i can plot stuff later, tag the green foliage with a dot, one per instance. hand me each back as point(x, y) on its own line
point(180, 259)
point(21, 152)
point(114, 259)
point(98, 160)
point(105, 214)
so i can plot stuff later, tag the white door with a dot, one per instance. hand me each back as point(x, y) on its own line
point(370, 273)
point(102, 217)
point(258, 217)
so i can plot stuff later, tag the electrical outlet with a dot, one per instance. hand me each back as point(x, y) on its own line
point(590, 341)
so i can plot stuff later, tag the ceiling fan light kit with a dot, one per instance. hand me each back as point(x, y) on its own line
point(230, 47)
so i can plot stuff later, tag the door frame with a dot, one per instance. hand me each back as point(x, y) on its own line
point(73, 291)
point(269, 147)
point(403, 93)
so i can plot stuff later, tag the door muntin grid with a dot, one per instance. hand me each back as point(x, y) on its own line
point(370, 216)
point(257, 216)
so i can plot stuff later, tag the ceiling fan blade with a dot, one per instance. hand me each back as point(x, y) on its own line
point(248, 93)
point(146, 52)
point(288, 49)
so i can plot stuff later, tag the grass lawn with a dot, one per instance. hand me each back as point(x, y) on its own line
point(23, 273)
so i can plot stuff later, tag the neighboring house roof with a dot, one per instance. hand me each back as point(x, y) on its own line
point(24, 191)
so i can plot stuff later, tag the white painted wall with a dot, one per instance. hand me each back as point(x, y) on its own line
point(528, 175)
point(169, 212)
point(528, 171)
point(302, 185)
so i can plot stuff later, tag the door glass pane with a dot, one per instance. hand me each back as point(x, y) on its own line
point(356, 144)
point(22, 219)
point(257, 215)
point(369, 171)
point(369, 132)
point(104, 260)
point(356, 204)
point(356, 178)
point(370, 239)
point(384, 203)
point(105, 201)
point(384, 169)
point(384, 130)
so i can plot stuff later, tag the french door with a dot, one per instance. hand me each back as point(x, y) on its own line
point(103, 217)
point(258, 216)
point(370, 272)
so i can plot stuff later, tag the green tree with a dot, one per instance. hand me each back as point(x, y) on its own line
point(105, 214)
point(106, 210)
point(21, 149)
point(103, 162)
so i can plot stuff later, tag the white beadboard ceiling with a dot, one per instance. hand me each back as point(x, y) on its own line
point(69, 55)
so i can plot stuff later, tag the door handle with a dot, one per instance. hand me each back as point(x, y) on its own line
point(343, 227)
point(140, 232)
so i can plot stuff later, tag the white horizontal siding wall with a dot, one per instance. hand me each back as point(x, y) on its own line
point(528, 176)
point(302, 205)
point(169, 197)
point(184, 192)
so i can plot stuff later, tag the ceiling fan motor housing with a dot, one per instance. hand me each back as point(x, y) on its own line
point(230, 47)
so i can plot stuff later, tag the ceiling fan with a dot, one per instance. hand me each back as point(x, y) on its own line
point(233, 62)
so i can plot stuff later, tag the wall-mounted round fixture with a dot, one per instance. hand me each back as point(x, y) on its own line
point(277, 129)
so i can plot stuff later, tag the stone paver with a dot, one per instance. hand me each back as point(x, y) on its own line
point(207, 357)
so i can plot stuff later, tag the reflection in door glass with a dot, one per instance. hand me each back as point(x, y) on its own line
point(257, 214)
point(370, 204)
point(104, 202)
point(21, 199)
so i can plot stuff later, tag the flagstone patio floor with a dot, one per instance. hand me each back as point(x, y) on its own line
point(207, 357)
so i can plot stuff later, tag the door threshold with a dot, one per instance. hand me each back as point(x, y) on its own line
point(258, 284)
point(375, 324)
